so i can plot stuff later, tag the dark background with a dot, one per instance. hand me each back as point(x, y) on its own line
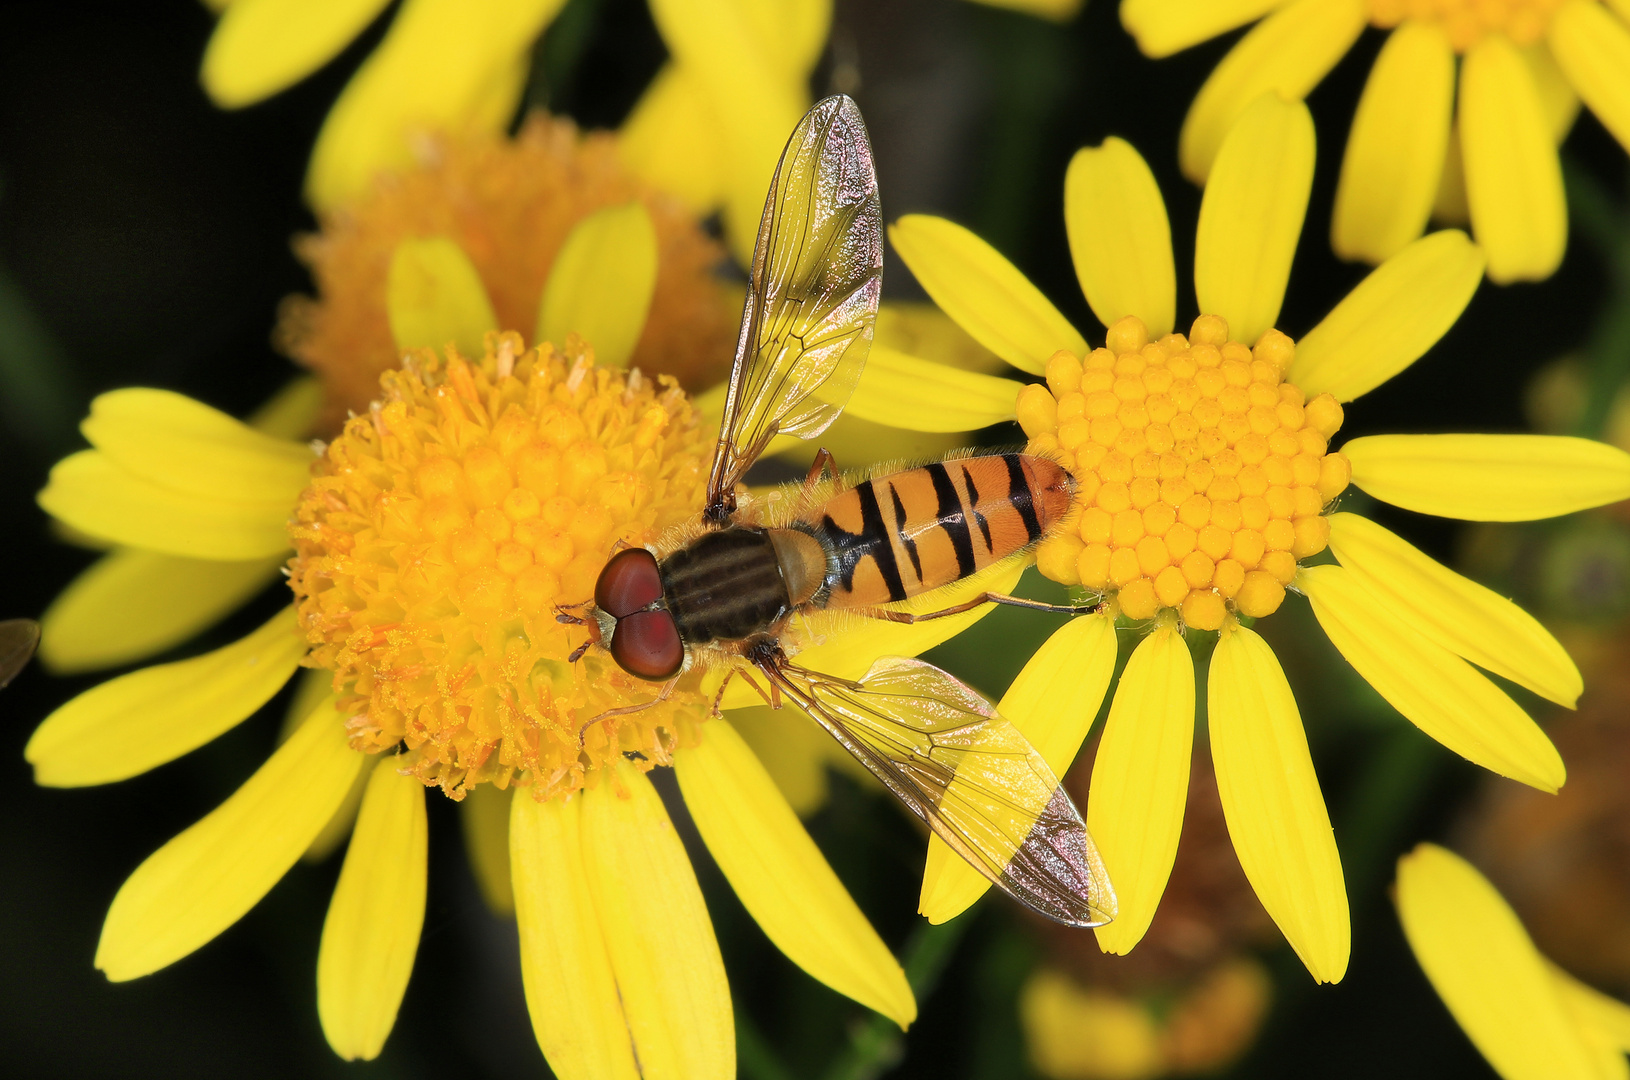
point(144, 239)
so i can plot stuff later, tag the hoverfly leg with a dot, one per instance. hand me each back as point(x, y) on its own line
point(667, 688)
point(982, 598)
point(577, 653)
point(772, 699)
point(824, 463)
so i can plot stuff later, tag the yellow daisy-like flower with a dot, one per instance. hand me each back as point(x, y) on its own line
point(444, 65)
point(1206, 479)
point(434, 538)
point(1524, 65)
point(1528, 1017)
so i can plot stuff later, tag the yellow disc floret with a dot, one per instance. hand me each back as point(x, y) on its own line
point(442, 529)
point(1202, 475)
point(1466, 22)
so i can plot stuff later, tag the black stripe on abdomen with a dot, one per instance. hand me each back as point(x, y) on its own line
point(951, 517)
point(873, 541)
point(1018, 493)
point(973, 506)
point(905, 537)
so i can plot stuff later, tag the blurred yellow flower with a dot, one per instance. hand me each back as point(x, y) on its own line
point(1528, 1017)
point(1523, 67)
point(1206, 480)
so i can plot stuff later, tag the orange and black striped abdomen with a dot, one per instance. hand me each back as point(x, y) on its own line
point(908, 532)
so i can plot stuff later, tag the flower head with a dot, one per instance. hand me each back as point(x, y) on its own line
point(1416, 152)
point(1207, 481)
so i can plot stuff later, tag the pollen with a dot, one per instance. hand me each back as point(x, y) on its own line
point(1202, 475)
point(1466, 22)
point(446, 529)
point(509, 203)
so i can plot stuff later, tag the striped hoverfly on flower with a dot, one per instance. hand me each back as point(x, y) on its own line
point(724, 589)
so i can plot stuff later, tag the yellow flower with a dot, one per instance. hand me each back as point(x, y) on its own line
point(1528, 1017)
point(444, 65)
point(1524, 66)
point(1205, 480)
point(434, 538)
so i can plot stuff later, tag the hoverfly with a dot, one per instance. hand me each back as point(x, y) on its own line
point(18, 639)
point(724, 588)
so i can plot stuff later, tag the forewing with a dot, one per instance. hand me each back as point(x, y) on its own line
point(807, 324)
point(18, 637)
point(970, 775)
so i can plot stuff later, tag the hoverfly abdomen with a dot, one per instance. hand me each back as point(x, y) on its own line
point(726, 585)
point(909, 532)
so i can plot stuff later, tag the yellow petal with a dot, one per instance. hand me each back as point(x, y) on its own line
point(904, 391)
point(1089, 1032)
point(1485, 968)
point(1449, 206)
point(1394, 157)
point(184, 445)
point(793, 750)
point(1474, 623)
point(1163, 27)
point(1513, 178)
point(1119, 236)
point(292, 411)
point(1140, 781)
point(1432, 687)
point(1593, 49)
point(669, 973)
point(204, 880)
point(434, 295)
point(1053, 703)
point(89, 493)
point(338, 829)
point(920, 328)
point(755, 101)
point(1286, 54)
point(1054, 10)
point(1490, 477)
point(565, 967)
point(671, 141)
point(781, 877)
point(601, 283)
point(263, 46)
point(1391, 318)
point(435, 70)
point(986, 295)
point(1592, 1009)
point(1557, 99)
point(848, 643)
point(141, 720)
point(1272, 802)
point(1251, 216)
point(485, 814)
point(372, 930)
point(131, 604)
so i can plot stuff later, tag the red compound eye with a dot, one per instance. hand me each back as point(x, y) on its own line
point(628, 583)
point(646, 645)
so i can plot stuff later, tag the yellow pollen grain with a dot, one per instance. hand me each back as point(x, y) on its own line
point(440, 535)
point(1466, 22)
point(1203, 476)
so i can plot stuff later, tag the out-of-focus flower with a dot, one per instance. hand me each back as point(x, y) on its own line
point(713, 122)
point(1190, 1000)
point(1528, 1017)
point(1523, 65)
point(1206, 482)
point(1053, 10)
point(512, 207)
point(444, 65)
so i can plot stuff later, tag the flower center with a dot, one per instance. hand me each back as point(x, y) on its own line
point(441, 530)
point(1467, 22)
point(1202, 474)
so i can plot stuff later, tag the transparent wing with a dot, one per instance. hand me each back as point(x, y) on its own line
point(943, 750)
point(17, 640)
point(807, 325)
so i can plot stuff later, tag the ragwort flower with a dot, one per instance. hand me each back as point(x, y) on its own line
point(1207, 479)
point(1528, 1017)
point(434, 539)
point(1523, 67)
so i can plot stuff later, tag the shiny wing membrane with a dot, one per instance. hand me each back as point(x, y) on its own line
point(807, 325)
point(18, 637)
point(969, 775)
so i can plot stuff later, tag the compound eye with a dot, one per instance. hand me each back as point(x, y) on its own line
point(628, 583)
point(646, 645)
